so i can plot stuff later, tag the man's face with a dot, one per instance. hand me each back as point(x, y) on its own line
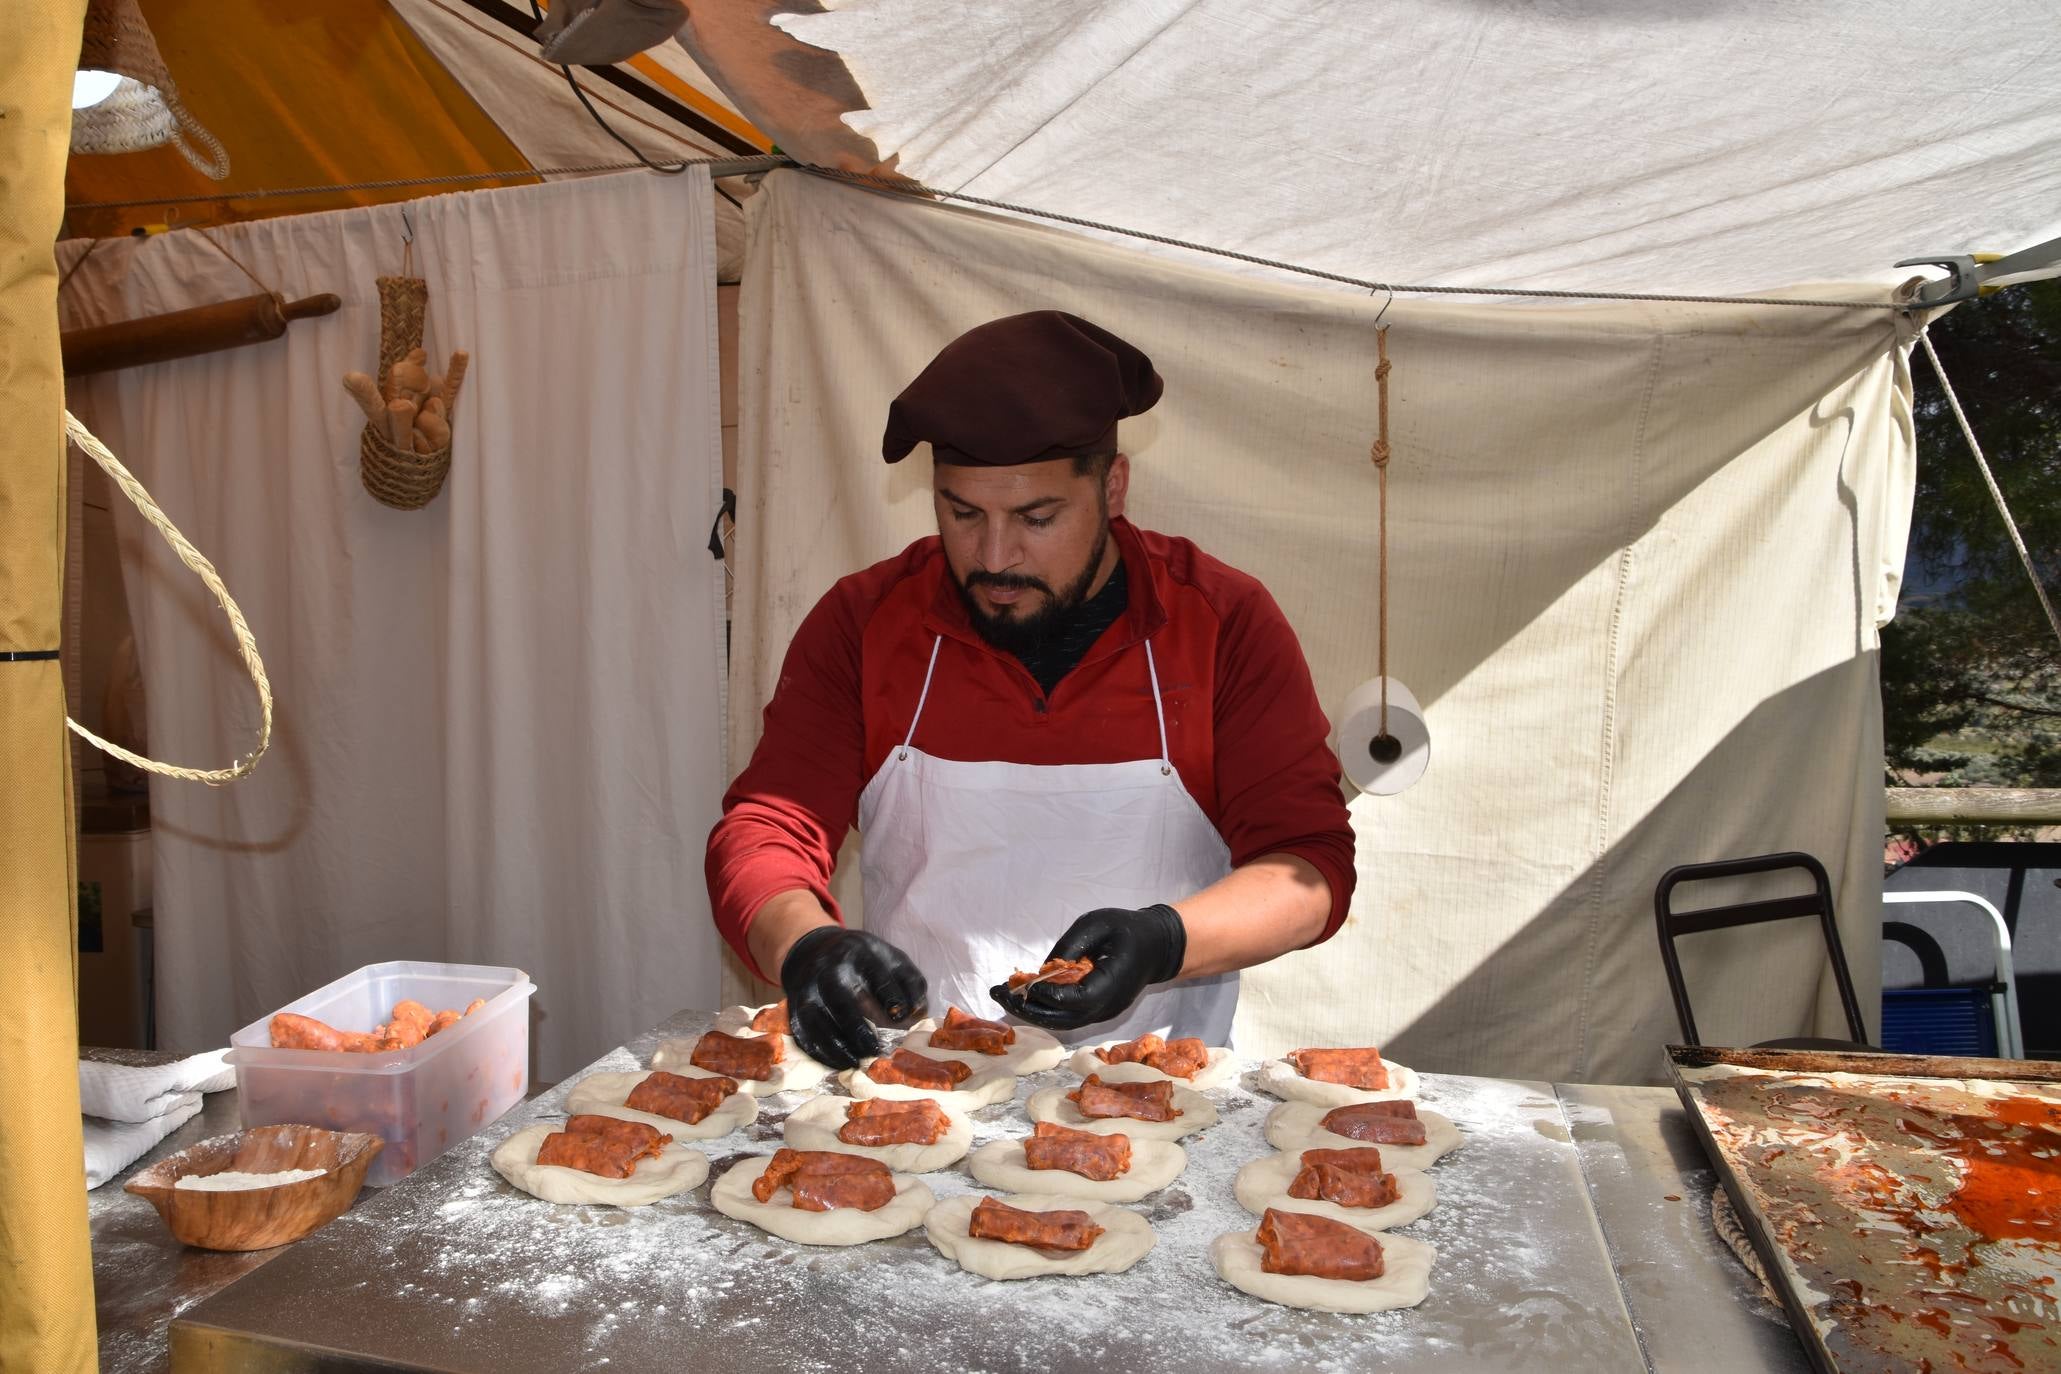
point(1025, 543)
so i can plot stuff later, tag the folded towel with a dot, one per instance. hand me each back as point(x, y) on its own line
point(112, 1146)
point(124, 1092)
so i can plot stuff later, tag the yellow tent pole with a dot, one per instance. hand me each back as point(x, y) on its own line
point(46, 1265)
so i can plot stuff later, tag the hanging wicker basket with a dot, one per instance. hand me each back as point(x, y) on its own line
point(404, 478)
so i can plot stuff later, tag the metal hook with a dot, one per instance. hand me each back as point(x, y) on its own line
point(1385, 304)
point(408, 225)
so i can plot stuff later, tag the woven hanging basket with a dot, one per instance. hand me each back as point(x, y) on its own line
point(403, 479)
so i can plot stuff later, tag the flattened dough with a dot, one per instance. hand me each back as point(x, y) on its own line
point(981, 1090)
point(1279, 1077)
point(603, 1094)
point(1211, 1075)
point(813, 1126)
point(1293, 1127)
point(1034, 1051)
point(676, 1170)
point(1154, 1164)
point(792, 1074)
point(1126, 1239)
point(1264, 1183)
point(731, 1196)
point(1405, 1282)
point(1197, 1114)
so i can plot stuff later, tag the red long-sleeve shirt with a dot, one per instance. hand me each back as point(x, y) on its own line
point(1243, 724)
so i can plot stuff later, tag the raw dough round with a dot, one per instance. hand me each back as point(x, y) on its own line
point(676, 1170)
point(1279, 1077)
point(1197, 1113)
point(1126, 1239)
point(1154, 1164)
point(839, 1226)
point(603, 1094)
point(1034, 1051)
point(1264, 1183)
point(813, 1126)
point(1293, 1127)
point(1405, 1282)
point(791, 1074)
point(1213, 1074)
point(981, 1090)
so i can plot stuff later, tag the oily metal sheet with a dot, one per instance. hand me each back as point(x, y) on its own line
point(453, 1269)
point(1910, 1219)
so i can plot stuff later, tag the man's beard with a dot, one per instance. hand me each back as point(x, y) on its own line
point(1025, 634)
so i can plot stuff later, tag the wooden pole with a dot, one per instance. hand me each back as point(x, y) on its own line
point(1973, 806)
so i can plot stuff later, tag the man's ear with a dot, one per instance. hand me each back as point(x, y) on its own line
point(1117, 485)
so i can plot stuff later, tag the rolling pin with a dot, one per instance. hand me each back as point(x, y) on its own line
point(187, 333)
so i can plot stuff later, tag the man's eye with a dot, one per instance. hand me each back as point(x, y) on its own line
point(1038, 522)
point(964, 514)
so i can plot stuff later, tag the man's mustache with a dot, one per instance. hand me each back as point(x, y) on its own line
point(1006, 582)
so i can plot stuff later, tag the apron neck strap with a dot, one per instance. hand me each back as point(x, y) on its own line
point(1166, 762)
point(936, 644)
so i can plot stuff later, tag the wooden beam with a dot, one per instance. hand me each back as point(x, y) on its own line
point(1973, 806)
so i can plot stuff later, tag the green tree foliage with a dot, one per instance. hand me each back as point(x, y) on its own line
point(1971, 672)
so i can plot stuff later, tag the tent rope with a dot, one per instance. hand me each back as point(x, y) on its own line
point(1996, 493)
point(246, 645)
point(919, 192)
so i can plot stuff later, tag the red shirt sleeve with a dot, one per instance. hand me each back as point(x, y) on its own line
point(1277, 779)
point(787, 813)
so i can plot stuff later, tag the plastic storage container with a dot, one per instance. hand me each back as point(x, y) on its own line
point(421, 1100)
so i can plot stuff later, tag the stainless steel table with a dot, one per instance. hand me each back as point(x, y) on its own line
point(1558, 1249)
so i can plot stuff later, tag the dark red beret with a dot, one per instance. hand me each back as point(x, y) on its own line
point(1021, 390)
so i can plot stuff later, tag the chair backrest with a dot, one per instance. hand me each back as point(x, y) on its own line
point(1817, 902)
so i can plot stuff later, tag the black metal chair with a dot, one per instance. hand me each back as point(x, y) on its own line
point(1818, 903)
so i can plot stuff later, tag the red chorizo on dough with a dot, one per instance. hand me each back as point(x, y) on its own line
point(1355, 1068)
point(1065, 1229)
point(1297, 1243)
point(1097, 1157)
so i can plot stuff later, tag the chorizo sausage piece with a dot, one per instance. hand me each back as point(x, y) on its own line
point(885, 1121)
point(1063, 1230)
point(683, 1099)
point(1355, 1068)
point(1137, 1101)
point(1297, 1243)
point(1099, 1157)
point(735, 1056)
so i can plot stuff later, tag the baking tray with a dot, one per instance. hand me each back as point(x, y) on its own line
point(1873, 1188)
point(453, 1270)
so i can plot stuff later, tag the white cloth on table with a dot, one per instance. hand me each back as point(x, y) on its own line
point(112, 1146)
point(129, 1108)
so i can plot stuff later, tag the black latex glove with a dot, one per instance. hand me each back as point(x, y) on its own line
point(1130, 950)
point(838, 982)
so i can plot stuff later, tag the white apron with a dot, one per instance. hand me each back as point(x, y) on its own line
point(974, 870)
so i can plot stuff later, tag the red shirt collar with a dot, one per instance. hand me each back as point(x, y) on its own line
point(1144, 614)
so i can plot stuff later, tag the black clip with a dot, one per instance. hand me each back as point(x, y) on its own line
point(1963, 283)
point(715, 531)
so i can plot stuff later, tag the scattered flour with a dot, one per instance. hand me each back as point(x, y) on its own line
point(233, 1182)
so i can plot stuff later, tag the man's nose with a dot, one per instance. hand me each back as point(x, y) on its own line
point(999, 549)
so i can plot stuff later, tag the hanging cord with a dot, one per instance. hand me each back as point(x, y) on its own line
point(1380, 453)
point(246, 646)
point(1995, 493)
point(233, 259)
point(606, 127)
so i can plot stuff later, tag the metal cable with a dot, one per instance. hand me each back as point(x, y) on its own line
point(1996, 493)
point(739, 166)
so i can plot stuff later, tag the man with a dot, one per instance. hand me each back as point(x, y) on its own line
point(1060, 735)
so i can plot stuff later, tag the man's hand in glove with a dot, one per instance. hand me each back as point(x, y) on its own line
point(1130, 951)
point(840, 981)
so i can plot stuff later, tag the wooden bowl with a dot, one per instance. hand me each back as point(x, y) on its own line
point(259, 1218)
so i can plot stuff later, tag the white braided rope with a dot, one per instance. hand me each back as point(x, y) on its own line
point(246, 646)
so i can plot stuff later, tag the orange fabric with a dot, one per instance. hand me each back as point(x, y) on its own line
point(309, 94)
